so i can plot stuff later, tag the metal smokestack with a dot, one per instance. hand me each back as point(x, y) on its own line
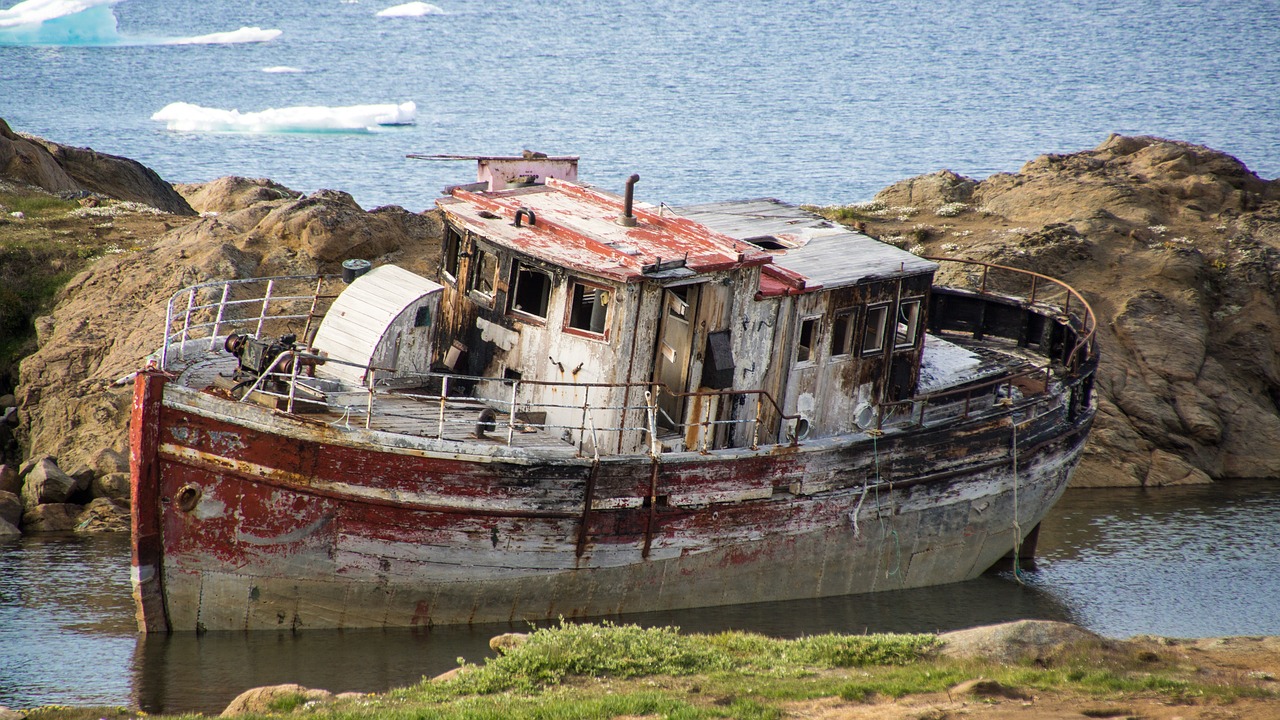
point(626, 218)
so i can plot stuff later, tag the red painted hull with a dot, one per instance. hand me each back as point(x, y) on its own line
point(249, 519)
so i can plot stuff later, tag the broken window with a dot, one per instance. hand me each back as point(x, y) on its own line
point(873, 333)
point(589, 307)
point(842, 332)
point(530, 291)
point(908, 323)
point(805, 349)
point(484, 271)
point(452, 246)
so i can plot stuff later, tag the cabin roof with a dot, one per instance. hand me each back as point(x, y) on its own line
point(576, 227)
point(814, 252)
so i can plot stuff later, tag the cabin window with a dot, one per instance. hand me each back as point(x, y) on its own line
point(530, 291)
point(873, 333)
point(423, 317)
point(452, 246)
point(908, 323)
point(842, 332)
point(589, 308)
point(484, 271)
point(805, 344)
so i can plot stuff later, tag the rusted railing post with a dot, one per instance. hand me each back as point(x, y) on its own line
point(266, 300)
point(511, 412)
point(217, 323)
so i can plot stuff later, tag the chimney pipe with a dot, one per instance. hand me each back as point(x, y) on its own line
point(626, 219)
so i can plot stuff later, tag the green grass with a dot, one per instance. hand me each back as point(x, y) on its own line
point(36, 205)
point(606, 670)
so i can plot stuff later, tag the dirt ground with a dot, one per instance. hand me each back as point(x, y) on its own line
point(1242, 662)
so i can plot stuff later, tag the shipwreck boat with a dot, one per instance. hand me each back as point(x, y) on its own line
point(596, 406)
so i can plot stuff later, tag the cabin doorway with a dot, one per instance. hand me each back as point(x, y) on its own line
point(675, 340)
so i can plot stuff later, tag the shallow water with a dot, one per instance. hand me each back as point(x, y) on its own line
point(1189, 562)
point(818, 101)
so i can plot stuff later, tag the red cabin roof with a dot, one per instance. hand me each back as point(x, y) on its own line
point(576, 227)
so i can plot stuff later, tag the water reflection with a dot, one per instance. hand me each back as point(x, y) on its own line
point(185, 672)
point(1200, 561)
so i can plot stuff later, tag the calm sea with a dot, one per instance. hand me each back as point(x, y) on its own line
point(1189, 562)
point(817, 101)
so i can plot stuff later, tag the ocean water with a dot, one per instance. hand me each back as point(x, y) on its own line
point(818, 101)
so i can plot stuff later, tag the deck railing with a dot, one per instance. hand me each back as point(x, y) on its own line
point(199, 317)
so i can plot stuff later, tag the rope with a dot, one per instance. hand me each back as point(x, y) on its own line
point(897, 545)
point(1017, 527)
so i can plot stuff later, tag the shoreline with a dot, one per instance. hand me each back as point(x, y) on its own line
point(1043, 668)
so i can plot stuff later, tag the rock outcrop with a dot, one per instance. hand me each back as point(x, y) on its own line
point(1177, 248)
point(71, 171)
point(1017, 642)
point(72, 405)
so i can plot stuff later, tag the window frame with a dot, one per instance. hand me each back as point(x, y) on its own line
point(571, 303)
point(913, 325)
point(513, 292)
point(450, 259)
point(814, 323)
point(848, 318)
point(478, 255)
point(881, 309)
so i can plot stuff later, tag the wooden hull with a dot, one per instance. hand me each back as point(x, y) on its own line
point(249, 519)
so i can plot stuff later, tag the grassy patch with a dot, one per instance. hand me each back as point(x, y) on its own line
point(36, 205)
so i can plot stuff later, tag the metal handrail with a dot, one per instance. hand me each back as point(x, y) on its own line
point(1089, 325)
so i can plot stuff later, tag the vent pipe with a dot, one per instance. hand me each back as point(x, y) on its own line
point(626, 219)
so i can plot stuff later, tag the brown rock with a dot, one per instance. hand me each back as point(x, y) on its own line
point(1019, 641)
point(10, 508)
point(233, 193)
point(102, 515)
point(929, 191)
point(43, 482)
point(982, 687)
point(507, 642)
point(9, 480)
point(108, 461)
point(114, 487)
point(51, 517)
point(272, 698)
point(8, 531)
point(448, 675)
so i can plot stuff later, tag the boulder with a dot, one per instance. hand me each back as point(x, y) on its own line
point(102, 515)
point(1020, 641)
point(114, 487)
point(929, 191)
point(10, 508)
point(51, 517)
point(263, 700)
point(9, 480)
point(8, 531)
point(44, 482)
point(506, 642)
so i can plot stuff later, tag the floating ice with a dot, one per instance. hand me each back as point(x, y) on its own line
point(185, 117)
point(281, 69)
point(413, 9)
point(59, 22)
point(92, 22)
point(243, 35)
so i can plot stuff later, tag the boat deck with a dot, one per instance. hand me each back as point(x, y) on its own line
point(404, 412)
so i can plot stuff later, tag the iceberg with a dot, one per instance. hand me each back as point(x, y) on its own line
point(243, 35)
point(186, 117)
point(413, 9)
point(59, 22)
point(92, 22)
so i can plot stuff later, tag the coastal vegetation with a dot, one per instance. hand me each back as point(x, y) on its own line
point(606, 670)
